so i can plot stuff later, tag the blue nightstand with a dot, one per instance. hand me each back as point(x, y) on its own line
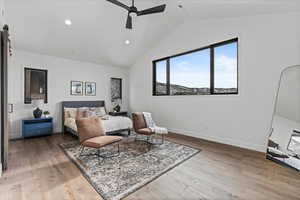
point(37, 127)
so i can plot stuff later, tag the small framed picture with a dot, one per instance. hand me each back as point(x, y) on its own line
point(90, 88)
point(77, 88)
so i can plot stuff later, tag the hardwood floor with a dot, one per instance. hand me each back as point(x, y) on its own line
point(38, 169)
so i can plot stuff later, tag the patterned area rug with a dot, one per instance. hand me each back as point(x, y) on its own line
point(115, 178)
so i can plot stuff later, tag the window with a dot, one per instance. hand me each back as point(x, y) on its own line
point(206, 71)
point(225, 68)
point(190, 73)
point(161, 78)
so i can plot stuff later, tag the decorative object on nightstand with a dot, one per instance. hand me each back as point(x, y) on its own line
point(123, 113)
point(38, 103)
point(117, 108)
point(46, 114)
point(37, 127)
point(116, 104)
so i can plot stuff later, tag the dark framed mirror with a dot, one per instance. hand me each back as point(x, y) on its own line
point(35, 85)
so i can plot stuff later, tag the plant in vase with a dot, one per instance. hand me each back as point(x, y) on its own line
point(46, 114)
point(116, 103)
point(117, 108)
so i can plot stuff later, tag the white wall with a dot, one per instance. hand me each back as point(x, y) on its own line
point(267, 44)
point(2, 14)
point(60, 73)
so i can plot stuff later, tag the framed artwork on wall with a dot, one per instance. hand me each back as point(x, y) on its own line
point(116, 89)
point(77, 88)
point(90, 89)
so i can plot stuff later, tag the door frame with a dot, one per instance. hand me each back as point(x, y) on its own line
point(3, 98)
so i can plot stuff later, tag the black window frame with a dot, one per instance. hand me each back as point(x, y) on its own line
point(212, 69)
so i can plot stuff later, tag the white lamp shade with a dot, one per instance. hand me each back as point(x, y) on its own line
point(38, 103)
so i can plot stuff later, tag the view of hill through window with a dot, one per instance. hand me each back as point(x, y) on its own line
point(190, 74)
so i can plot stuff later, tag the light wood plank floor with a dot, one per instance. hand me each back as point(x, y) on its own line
point(38, 169)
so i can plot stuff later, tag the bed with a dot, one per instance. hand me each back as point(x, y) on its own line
point(112, 124)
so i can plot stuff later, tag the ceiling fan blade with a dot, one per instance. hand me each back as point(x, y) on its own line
point(153, 10)
point(118, 3)
point(129, 22)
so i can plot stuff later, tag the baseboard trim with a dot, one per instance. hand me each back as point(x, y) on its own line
point(237, 143)
point(20, 137)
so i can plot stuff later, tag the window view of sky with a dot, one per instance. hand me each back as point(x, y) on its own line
point(193, 70)
point(161, 71)
point(226, 66)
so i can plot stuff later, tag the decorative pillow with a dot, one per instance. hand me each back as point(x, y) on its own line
point(105, 117)
point(82, 112)
point(91, 113)
point(97, 112)
point(71, 113)
point(102, 110)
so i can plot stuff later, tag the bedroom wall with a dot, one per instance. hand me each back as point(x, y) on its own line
point(2, 14)
point(60, 73)
point(267, 44)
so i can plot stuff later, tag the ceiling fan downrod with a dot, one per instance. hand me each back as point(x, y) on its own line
point(133, 9)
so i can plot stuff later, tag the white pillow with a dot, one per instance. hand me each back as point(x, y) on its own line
point(96, 112)
point(70, 113)
point(105, 117)
point(82, 112)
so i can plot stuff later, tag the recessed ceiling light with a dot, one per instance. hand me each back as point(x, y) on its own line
point(68, 22)
point(127, 42)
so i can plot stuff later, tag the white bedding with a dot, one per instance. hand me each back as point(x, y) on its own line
point(113, 123)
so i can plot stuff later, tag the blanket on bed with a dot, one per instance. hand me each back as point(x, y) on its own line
point(151, 124)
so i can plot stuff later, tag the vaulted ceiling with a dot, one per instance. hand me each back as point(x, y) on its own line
point(98, 33)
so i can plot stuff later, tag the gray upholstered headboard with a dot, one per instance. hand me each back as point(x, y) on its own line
point(78, 104)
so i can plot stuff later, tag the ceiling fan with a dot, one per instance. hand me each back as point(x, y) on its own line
point(133, 9)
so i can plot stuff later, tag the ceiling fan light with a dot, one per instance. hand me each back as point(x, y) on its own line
point(132, 9)
point(68, 22)
point(127, 42)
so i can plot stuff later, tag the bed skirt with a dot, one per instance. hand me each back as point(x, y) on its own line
point(75, 133)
